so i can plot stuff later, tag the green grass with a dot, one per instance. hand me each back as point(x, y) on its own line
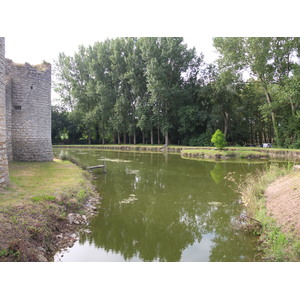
point(35, 206)
point(43, 198)
point(211, 153)
point(38, 181)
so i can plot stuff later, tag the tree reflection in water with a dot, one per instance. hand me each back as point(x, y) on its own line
point(173, 204)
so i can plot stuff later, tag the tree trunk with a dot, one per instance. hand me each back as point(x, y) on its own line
point(134, 138)
point(143, 137)
point(103, 133)
point(264, 139)
point(124, 138)
point(166, 139)
point(260, 136)
point(151, 134)
point(119, 140)
point(89, 137)
point(158, 137)
point(226, 122)
point(252, 134)
point(292, 106)
point(269, 101)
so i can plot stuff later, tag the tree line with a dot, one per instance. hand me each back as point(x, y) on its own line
point(157, 90)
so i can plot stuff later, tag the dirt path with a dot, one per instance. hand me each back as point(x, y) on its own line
point(283, 202)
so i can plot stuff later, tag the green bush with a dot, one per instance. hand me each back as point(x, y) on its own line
point(294, 145)
point(201, 140)
point(218, 139)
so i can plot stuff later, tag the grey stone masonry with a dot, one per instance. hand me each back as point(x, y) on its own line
point(25, 113)
point(28, 99)
point(3, 141)
point(8, 118)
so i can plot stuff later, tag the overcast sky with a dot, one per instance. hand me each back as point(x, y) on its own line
point(37, 30)
point(34, 50)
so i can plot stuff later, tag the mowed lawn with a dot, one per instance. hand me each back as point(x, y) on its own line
point(30, 179)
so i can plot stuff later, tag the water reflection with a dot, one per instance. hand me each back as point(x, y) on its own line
point(162, 208)
point(218, 172)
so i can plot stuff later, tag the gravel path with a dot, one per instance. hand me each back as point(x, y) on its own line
point(283, 202)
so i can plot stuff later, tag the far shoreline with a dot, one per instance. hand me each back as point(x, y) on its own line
point(227, 153)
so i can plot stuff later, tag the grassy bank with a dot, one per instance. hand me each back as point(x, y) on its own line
point(34, 209)
point(274, 243)
point(223, 154)
point(203, 152)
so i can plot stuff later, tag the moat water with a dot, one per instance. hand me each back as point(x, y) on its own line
point(160, 207)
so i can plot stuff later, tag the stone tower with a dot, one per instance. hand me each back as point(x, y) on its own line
point(3, 141)
point(25, 113)
point(28, 111)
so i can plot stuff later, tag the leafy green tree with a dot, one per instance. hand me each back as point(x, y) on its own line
point(59, 123)
point(253, 124)
point(101, 70)
point(83, 88)
point(145, 118)
point(226, 97)
point(218, 139)
point(141, 87)
point(166, 61)
point(268, 60)
point(63, 82)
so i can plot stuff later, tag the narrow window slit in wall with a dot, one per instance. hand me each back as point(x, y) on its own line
point(17, 107)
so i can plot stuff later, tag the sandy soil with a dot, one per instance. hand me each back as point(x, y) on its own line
point(283, 202)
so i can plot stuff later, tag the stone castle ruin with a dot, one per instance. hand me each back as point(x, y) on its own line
point(25, 112)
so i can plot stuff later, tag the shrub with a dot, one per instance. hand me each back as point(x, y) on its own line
point(201, 140)
point(218, 139)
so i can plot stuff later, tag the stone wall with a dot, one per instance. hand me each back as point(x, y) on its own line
point(3, 145)
point(28, 98)
point(8, 117)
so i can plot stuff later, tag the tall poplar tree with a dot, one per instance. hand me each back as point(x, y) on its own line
point(167, 59)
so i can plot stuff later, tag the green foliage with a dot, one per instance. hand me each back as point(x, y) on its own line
point(43, 198)
point(81, 195)
point(218, 139)
point(133, 90)
point(202, 140)
point(9, 252)
point(270, 61)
